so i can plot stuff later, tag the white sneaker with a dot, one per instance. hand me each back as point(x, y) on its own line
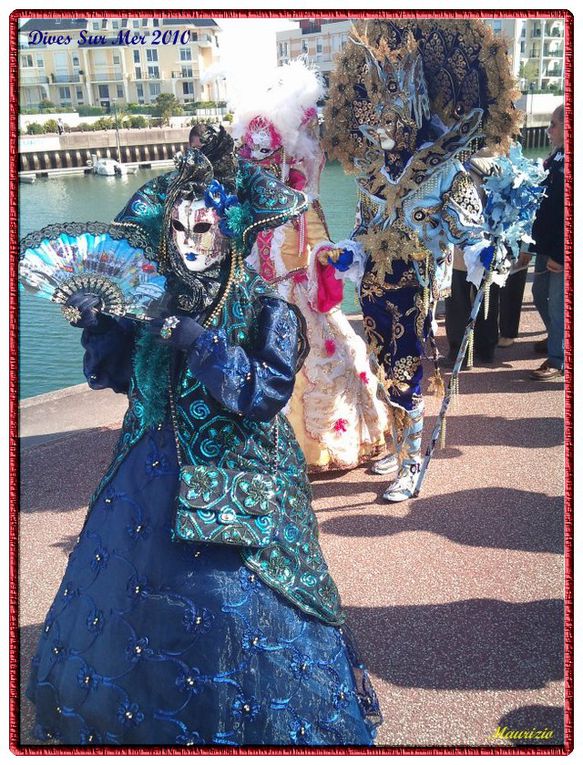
point(404, 485)
point(387, 464)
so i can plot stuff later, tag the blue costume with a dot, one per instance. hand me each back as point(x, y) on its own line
point(407, 100)
point(197, 607)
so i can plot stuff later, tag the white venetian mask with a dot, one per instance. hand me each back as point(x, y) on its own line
point(197, 237)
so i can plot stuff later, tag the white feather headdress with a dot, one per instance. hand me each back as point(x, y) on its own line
point(284, 99)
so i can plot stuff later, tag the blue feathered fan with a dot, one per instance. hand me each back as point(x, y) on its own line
point(113, 261)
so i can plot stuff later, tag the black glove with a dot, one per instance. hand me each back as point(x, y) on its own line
point(86, 307)
point(178, 331)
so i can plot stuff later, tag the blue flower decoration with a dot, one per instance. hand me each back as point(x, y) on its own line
point(88, 678)
point(189, 738)
point(137, 529)
point(129, 714)
point(69, 592)
point(138, 649)
point(191, 681)
point(87, 736)
point(46, 734)
point(245, 708)
point(248, 580)
point(99, 559)
point(253, 640)
point(344, 260)
point(300, 733)
point(137, 586)
point(217, 198)
point(301, 665)
point(341, 697)
point(94, 621)
point(197, 621)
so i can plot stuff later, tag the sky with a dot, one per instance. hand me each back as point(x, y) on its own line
point(248, 48)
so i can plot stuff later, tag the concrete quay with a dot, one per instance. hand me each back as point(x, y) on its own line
point(455, 598)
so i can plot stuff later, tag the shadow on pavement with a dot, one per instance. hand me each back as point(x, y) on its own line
point(498, 517)
point(536, 717)
point(527, 433)
point(62, 476)
point(468, 645)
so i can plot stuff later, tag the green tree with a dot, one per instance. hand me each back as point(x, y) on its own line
point(166, 104)
point(138, 121)
point(45, 105)
point(35, 128)
point(51, 126)
point(528, 72)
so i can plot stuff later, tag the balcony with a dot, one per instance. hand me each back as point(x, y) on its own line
point(32, 79)
point(181, 76)
point(554, 30)
point(553, 52)
point(146, 78)
point(106, 75)
point(66, 77)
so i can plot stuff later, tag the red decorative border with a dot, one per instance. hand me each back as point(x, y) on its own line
point(15, 700)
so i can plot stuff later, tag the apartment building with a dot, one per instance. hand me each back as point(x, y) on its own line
point(536, 47)
point(318, 39)
point(61, 69)
point(536, 50)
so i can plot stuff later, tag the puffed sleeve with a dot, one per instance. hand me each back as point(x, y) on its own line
point(109, 349)
point(256, 382)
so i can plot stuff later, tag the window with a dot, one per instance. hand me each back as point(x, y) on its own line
point(120, 93)
point(188, 88)
point(104, 24)
point(79, 95)
point(153, 73)
point(136, 54)
point(305, 47)
point(522, 46)
point(187, 71)
point(75, 60)
point(140, 93)
point(151, 54)
point(319, 45)
point(103, 91)
point(95, 25)
point(154, 89)
point(40, 62)
point(136, 23)
point(156, 22)
point(115, 24)
point(138, 73)
point(185, 54)
point(497, 26)
point(65, 94)
point(144, 22)
point(26, 61)
point(116, 58)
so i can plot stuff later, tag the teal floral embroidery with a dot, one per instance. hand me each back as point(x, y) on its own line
point(259, 491)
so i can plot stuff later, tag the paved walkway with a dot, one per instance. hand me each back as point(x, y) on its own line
point(455, 598)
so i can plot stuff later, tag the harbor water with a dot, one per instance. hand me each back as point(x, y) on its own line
point(50, 352)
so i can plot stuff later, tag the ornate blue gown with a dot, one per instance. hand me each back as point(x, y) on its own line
point(156, 641)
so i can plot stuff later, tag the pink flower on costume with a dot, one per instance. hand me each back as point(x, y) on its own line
point(330, 346)
point(364, 377)
point(340, 425)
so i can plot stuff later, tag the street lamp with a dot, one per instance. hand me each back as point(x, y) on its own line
point(114, 103)
point(531, 89)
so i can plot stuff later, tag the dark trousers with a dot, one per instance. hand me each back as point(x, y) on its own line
point(457, 313)
point(511, 303)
